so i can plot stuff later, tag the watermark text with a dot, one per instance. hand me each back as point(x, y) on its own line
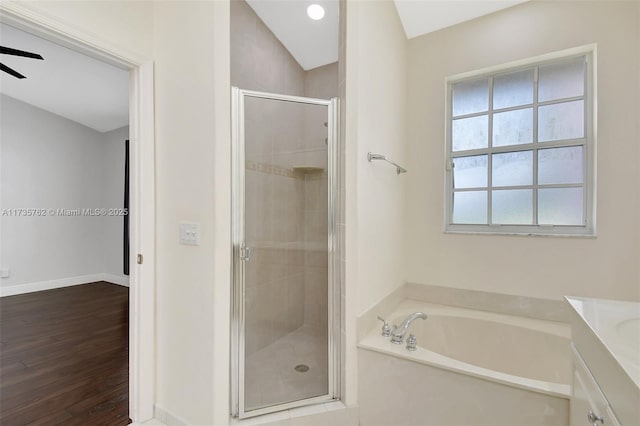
point(64, 212)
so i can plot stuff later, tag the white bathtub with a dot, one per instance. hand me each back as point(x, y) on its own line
point(470, 368)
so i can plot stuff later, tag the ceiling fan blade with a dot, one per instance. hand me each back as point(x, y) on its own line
point(13, 72)
point(16, 52)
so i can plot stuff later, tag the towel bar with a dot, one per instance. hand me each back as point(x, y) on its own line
point(371, 157)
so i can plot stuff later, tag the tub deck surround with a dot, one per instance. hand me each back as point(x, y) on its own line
point(470, 368)
point(543, 347)
point(520, 306)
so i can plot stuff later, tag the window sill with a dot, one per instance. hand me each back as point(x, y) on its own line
point(587, 235)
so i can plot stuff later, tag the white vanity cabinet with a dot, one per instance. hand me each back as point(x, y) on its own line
point(605, 338)
point(588, 405)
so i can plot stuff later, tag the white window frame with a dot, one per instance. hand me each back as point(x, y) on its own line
point(588, 229)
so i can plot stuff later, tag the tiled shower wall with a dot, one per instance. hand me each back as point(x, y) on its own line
point(286, 210)
point(315, 261)
point(258, 60)
point(322, 83)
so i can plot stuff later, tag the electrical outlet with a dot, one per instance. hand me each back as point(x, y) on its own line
point(4, 273)
point(190, 234)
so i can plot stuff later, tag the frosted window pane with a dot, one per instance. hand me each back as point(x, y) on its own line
point(470, 97)
point(560, 165)
point(513, 127)
point(513, 89)
point(559, 81)
point(469, 133)
point(560, 206)
point(470, 207)
point(561, 121)
point(512, 207)
point(470, 172)
point(512, 168)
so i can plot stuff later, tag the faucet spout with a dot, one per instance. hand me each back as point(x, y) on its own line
point(398, 333)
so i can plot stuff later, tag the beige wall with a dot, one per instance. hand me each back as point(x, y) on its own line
point(125, 24)
point(374, 111)
point(193, 176)
point(606, 266)
point(192, 184)
point(219, 402)
point(376, 122)
point(185, 182)
point(322, 82)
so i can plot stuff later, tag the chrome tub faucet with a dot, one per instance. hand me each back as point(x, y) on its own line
point(398, 333)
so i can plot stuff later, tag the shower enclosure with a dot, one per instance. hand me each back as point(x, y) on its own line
point(285, 326)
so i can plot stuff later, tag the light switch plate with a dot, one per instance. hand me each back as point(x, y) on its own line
point(189, 234)
point(4, 273)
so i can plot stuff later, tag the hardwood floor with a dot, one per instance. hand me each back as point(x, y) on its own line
point(64, 357)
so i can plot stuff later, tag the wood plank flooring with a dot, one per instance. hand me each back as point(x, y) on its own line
point(64, 357)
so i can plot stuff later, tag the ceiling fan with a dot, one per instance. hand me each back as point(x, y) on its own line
point(16, 52)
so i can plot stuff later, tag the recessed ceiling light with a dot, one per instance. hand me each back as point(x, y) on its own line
point(315, 12)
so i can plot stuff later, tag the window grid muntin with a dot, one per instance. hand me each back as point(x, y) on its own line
point(536, 103)
point(534, 147)
point(490, 114)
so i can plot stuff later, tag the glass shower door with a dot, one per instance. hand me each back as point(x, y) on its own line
point(283, 242)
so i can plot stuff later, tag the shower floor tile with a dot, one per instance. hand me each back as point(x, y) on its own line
point(270, 374)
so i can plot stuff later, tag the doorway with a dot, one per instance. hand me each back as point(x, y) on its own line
point(141, 214)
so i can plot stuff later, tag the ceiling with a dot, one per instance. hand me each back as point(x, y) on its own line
point(95, 94)
point(311, 43)
point(66, 83)
point(424, 16)
point(315, 43)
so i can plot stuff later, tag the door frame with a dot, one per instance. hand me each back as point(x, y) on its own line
point(141, 187)
point(238, 246)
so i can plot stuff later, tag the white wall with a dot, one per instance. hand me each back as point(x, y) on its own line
point(49, 162)
point(374, 202)
point(606, 266)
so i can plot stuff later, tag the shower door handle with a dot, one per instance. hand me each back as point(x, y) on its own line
point(245, 253)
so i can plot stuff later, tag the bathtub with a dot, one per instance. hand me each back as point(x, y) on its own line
point(470, 368)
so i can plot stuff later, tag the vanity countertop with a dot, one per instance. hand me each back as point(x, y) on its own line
point(616, 324)
point(606, 335)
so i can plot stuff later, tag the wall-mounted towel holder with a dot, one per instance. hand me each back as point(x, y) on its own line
point(371, 157)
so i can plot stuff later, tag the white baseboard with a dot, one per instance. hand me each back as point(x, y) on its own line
point(122, 280)
point(167, 418)
point(13, 290)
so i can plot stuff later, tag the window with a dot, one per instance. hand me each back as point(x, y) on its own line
point(520, 148)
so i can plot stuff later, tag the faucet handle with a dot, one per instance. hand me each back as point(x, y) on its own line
point(412, 343)
point(386, 329)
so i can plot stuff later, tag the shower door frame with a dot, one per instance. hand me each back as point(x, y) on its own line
point(238, 246)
